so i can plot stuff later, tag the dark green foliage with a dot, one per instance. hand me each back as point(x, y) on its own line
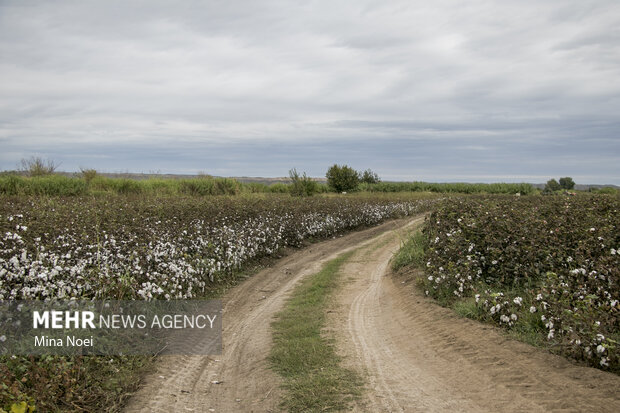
point(369, 177)
point(342, 178)
point(552, 186)
point(462, 188)
point(302, 185)
point(567, 183)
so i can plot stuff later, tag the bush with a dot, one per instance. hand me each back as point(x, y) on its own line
point(497, 188)
point(552, 186)
point(369, 177)
point(279, 188)
point(255, 188)
point(567, 183)
point(49, 185)
point(36, 166)
point(88, 174)
point(302, 185)
point(608, 190)
point(342, 178)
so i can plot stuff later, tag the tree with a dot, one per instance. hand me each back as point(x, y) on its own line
point(369, 177)
point(567, 183)
point(302, 184)
point(552, 185)
point(342, 178)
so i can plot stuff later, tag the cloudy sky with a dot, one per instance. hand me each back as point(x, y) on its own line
point(444, 90)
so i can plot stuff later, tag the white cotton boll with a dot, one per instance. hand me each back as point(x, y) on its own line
point(532, 309)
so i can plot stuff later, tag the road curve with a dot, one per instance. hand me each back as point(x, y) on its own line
point(239, 380)
point(419, 357)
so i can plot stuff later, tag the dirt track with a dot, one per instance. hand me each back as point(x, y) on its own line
point(247, 384)
point(419, 357)
point(414, 355)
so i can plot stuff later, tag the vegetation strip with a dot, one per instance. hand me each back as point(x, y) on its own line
point(314, 379)
point(90, 183)
point(547, 269)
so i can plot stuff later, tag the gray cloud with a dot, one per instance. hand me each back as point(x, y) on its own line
point(510, 90)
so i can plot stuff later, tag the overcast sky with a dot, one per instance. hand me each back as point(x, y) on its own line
point(506, 90)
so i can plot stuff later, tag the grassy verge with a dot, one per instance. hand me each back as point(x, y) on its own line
point(411, 252)
point(528, 328)
point(314, 379)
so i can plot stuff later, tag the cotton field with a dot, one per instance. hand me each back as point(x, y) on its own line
point(160, 248)
point(547, 263)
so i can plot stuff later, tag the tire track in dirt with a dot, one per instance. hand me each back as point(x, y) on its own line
point(418, 356)
point(245, 382)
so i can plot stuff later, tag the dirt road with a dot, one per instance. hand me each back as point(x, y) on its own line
point(419, 357)
point(414, 355)
point(244, 381)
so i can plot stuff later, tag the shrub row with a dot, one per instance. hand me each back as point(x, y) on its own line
point(59, 185)
point(550, 262)
point(463, 188)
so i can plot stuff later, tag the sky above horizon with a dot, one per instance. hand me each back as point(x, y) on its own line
point(478, 91)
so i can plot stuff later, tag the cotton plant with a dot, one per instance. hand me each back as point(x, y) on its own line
point(165, 255)
point(554, 260)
